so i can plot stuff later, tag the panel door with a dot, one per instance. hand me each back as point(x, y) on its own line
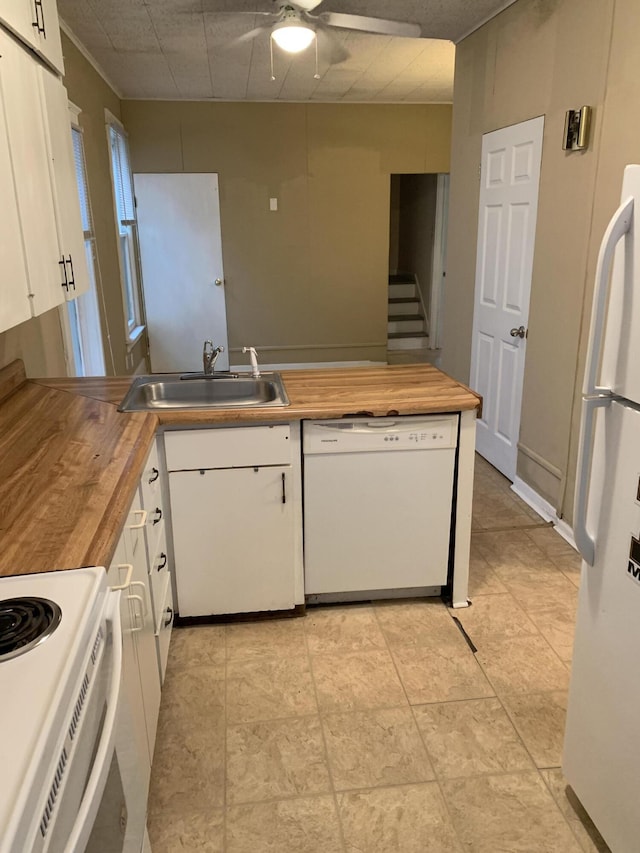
point(183, 278)
point(36, 23)
point(21, 95)
point(233, 540)
point(64, 185)
point(510, 174)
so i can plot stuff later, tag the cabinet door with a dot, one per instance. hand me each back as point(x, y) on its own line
point(131, 688)
point(36, 23)
point(64, 185)
point(15, 306)
point(233, 540)
point(144, 627)
point(21, 95)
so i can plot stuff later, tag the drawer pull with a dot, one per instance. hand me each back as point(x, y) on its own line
point(140, 524)
point(154, 475)
point(38, 24)
point(168, 619)
point(162, 562)
point(284, 489)
point(137, 614)
point(127, 579)
point(157, 515)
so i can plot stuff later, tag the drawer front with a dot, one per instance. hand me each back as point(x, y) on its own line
point(158, 574)
point(151, 496)
point(163, 633)
point(237, 447)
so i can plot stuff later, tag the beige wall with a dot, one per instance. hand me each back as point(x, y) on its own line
point(310, 281)
point(542, 57)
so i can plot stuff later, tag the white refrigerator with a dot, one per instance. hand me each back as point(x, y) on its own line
point(602, 740)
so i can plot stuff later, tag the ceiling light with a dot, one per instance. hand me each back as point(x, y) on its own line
point(293, 36)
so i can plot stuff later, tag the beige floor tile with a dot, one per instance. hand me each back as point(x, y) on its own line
point(342, 629)
point(195, 833)
point(197, 691)
point(482, 579)
point(441, 674)
point(372, 748)
point(522, 665)
point(188, 770)
point(306, 825)
point(583, 827)
point(419, 623)
point(509, 549)
point(540, 720)
point(570, 566)
point(266, 689)
point(200, 645)
point(265, 639)
point(279, 758)
point(497, 614)
point(511, 813)
point(361, 681)
point(549, 541)
point(403, 819)
point(537, 587)
point(469, 738)
point(556, 622)
point(500, 511)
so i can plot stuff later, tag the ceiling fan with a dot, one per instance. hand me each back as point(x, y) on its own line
point(293, 27)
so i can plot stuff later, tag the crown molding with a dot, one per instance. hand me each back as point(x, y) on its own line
point(73, 38)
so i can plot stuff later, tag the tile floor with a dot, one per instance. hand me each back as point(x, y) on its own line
point(374, 728)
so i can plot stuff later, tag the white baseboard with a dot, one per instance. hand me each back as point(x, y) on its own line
point(566, 532)
point(544, 509)
point(534, 500)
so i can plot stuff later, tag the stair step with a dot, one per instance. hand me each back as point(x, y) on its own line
point(410, 342)
point(413, 327)
point(405, 290)
point(401, 278)
point(398, 335)
point(398, 318)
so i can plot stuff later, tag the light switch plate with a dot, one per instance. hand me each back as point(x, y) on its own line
point(273, 204)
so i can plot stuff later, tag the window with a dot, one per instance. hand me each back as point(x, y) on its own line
point(81, 323)
point(127, 228)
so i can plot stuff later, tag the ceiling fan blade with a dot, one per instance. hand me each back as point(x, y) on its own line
point(248, 36)
point(370, 25)
point(330, 48)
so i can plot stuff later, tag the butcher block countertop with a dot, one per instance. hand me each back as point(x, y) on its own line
point(70, 462)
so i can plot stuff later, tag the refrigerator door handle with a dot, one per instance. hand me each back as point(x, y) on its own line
point(617, 228)
point(584, 541)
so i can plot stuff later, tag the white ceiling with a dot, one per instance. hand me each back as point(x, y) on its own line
point(181, 49)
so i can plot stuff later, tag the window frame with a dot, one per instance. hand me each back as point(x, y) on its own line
point(127, 243)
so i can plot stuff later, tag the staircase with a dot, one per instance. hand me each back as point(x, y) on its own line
point(406, 323)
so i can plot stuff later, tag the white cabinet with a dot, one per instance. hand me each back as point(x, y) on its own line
point(235, 528)
point(71, 250)
point(20, 83)
point(42, 253)
point(120, 577)
point(36, 23)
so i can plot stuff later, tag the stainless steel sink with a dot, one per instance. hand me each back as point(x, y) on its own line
point(223, 391)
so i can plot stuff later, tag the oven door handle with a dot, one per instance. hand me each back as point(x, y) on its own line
point(88, 810)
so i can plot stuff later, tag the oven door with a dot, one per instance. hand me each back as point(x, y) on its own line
point(92, 813)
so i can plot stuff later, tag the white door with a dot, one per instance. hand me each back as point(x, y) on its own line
point(602, 739)
point(183, 279)
point(509, 181)
point(233, 536)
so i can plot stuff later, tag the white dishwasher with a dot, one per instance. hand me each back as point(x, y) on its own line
point(377, 506)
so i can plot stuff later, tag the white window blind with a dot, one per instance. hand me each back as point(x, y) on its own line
point(123, 184)
point(81, 180)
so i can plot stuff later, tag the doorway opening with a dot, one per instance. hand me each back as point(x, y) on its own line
point(417, 252)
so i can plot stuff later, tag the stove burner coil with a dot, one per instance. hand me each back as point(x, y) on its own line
point(25, 622)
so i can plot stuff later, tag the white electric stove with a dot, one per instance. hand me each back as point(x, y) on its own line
point(60, 673)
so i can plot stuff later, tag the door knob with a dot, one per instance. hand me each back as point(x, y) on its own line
point(520, 332)
point(218, 282)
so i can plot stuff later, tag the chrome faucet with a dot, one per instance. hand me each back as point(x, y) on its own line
point(209, 357)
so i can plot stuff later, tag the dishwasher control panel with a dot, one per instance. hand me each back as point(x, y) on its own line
point(372, 435)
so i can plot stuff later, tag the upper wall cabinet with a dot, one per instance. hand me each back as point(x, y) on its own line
point(36, 23)
point(75, 279)
point(41, 209)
